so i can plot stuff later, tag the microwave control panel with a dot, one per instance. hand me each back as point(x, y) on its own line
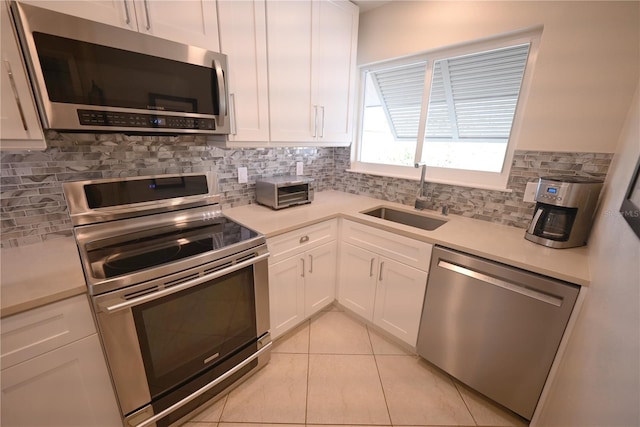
point(138, 120)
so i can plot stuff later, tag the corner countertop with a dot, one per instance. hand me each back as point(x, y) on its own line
point(39, 274)
point(496, 242)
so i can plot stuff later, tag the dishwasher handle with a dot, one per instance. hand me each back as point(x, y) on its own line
point(510, 286)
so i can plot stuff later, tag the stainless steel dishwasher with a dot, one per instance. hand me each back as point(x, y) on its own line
point(493, 327)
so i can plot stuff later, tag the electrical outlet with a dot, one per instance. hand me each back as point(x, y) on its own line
point(530, 192)
point(299, 168)
point(242, 175)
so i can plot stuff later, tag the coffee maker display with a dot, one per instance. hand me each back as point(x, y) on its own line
point(564, 211)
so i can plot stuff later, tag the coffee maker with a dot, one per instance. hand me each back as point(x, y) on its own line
point(564, 211)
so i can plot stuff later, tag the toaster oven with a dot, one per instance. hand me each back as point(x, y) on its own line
point(283, 191)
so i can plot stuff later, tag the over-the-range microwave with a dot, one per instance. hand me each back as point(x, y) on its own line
point(93, 77)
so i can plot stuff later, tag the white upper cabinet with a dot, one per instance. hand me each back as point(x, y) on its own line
point(311, 56)
point(192, 22)
point(335, 46)
point(19, 123)
point(119, 13)
point(243, 38)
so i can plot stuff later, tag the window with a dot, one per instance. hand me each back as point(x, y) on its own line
point(454, 110)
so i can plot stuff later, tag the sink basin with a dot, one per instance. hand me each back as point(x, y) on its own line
point(406, 218)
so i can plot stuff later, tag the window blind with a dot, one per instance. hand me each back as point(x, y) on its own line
point(400, 91)
point(475, 96)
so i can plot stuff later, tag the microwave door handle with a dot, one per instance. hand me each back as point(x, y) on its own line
point(222, 88)
point(534, 221)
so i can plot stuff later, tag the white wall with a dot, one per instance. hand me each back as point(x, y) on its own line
point(586, 72)
point(598, 382)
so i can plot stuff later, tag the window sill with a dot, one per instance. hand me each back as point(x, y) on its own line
point(414, 175)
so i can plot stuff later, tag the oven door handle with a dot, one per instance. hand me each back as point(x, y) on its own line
point(206, 388)
point(111, 306)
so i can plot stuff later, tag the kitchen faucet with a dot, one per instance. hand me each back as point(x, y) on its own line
point(421, 199)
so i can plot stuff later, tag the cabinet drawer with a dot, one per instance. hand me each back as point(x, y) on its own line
point(400, 248)
point(34, 332)
point(298, 241)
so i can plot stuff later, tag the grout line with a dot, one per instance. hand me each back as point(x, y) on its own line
point(375, 360)
point(455, 385)
point(224, 406)
point(306, 400)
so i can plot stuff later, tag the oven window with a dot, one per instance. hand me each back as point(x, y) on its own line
point(194, 330)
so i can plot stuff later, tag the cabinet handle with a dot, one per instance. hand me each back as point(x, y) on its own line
point(16, 96)
point(315, 121)
point(302, 259)
point(310, 263)
point(381, 267)
point(232, 108)
point(371, 267)
point(126, 12)
point(146, 12)
point(322, 127)
point(304, 239)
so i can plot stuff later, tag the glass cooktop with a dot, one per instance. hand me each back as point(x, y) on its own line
point(141, 251)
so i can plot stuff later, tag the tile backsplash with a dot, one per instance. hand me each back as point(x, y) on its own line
point(33, 206)
point(495, 206)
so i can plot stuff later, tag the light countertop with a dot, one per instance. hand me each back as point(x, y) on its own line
point(39, 274)
point(493, 241)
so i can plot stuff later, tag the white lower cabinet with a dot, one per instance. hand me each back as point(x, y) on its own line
point(399, 297)
point(319, 277)
point(383, 278)
point(302, 274)
point(357, 279)
point(53, 369)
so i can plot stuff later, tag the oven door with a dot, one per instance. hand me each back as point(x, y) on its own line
point(171, 348)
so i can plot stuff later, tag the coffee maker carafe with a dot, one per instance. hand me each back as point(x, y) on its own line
point(564, 211)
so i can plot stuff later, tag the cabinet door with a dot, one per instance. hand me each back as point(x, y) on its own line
point(289, 43)
point(334, 67)
point(68, 387)
point(120, 13)
point(243, 38)
point(320, 277)
point(399, 296)
point(357, 274)
point(192, 22)
point(19, 122)
point(286, 294)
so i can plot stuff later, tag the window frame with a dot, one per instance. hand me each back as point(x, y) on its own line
point(459, 177)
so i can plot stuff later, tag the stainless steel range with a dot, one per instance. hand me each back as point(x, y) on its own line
point(179, 291)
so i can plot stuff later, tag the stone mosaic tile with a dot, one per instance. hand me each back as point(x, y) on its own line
point(32, 205)
point(33, 209)
point(495, 206)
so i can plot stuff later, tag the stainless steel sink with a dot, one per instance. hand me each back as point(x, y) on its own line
point(406, 218)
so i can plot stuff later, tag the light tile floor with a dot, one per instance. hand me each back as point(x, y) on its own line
point(335, 370)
